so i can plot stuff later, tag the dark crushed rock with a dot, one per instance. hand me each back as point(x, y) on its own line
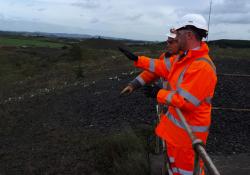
point(38, 129)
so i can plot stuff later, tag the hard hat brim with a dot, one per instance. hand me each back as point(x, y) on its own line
point(171, 35)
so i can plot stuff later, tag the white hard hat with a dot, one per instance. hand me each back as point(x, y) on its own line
point(171, 35)
point(195, 20)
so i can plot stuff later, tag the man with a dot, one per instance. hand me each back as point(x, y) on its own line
point(147, 77)
point(192, 79)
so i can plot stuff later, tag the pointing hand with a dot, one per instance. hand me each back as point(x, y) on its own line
point(129, 54)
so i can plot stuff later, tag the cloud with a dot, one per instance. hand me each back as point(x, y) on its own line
point(36, 26)
point(231, 6)
point(89, 4)
point(94, 20)
point(1, 17)
point(146, 19)
point(231, 12)
point(226, 11)
point(41, 9)
point(219, 33)
point(134, 17)
point(234, 18)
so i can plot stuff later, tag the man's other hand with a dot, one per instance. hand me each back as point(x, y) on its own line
point(151, 90)
point(127, 90)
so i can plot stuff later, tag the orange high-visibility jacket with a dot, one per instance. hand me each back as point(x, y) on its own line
point(192, 81)
point(147, 77)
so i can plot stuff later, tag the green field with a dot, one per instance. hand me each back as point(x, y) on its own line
point(49, 63)
point(28, 42)
point(55, 92)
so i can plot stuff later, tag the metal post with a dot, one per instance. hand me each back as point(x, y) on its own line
point(157, 139)
point(196, 164)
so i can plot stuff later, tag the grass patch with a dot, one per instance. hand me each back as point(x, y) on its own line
point(229, 53)
point(122, 153)
point(28, 42)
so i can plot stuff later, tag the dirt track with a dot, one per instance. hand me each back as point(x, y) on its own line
point(46, 134)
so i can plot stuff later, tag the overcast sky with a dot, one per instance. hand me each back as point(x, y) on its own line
point(134, 19)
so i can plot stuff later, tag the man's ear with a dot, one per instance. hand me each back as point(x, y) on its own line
point(190, 35)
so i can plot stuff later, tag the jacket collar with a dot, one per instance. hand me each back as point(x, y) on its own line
point(195, 53)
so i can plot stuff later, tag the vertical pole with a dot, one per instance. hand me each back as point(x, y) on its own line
point(157, 139)
point(210, 9)
point(196, 164)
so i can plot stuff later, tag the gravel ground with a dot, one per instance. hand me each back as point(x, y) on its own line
point(34, 131)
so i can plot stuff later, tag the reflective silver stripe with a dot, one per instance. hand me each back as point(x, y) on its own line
point(139, 78)
point(209, 62)
point(152, 65)
point(200, 170)
point(168, 64)
point(171, 159)
point(199, 128)
point(180, 79)
point(135, 83)
point(181, 171)
point(208, 100)
point(186, 94)
point(177, 59)
point(164, 84)
point(191, 98)
point(170, 96)
point(180, 125)
point(169, 86)
point(174, 120)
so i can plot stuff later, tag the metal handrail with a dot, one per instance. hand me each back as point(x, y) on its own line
point(198, 147)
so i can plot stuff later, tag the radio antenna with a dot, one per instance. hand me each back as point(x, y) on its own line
point(210, 9)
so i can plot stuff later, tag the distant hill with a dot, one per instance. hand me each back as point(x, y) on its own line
point(43, 34)
point(61, 35)
point(224, 43)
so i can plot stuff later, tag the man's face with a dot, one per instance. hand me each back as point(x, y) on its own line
point(172, 46)
point(182, 37)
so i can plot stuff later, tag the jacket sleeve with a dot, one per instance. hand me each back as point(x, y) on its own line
point(146, 77)
point(143, 78)
point(197, 84)
point(156, 66)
